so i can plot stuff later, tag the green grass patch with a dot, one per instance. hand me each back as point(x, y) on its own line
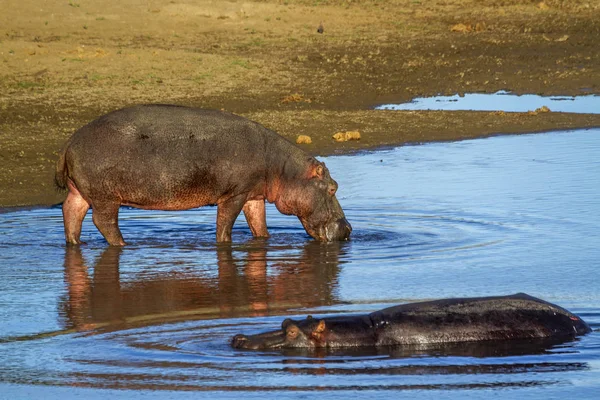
point(257, 42)
point(242, 63)
point(100, 77)
point(27, 85)
point(201, 78)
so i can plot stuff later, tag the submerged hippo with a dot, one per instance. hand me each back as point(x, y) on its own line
point(519, 316)
point(165, 157)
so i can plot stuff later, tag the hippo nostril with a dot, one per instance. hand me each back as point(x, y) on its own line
point(345, 227)
point(338, 229)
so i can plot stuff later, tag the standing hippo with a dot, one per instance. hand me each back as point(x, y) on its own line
point(165, 157)
point(519, 316)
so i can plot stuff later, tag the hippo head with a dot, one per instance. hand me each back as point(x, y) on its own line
point(309, 333)
point(310, 195)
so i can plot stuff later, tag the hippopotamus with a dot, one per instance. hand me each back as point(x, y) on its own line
point(166, 157)
point(499, 318)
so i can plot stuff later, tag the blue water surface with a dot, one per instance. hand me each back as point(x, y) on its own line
point(501, 101)
point(153, 320)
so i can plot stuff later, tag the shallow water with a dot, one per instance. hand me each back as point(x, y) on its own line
point(472, 218)
point(501, 101)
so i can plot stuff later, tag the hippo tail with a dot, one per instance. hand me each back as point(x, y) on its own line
point(61, 174)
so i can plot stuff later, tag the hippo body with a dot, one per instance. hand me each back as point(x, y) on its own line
point(518, 316)
point(174, 158)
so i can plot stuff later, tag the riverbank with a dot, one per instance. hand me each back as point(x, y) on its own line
point(62, 65)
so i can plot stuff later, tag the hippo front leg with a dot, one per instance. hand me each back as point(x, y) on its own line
point(256, 216)
point(227, 212)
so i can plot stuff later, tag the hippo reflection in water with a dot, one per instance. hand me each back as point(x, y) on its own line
point(96, 294)
point(519, 316)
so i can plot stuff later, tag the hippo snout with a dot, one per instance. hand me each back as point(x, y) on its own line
point(238, 341)
point(338, 230)
point(268, 340)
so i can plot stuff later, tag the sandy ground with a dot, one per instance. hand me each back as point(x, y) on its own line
point(63, 63)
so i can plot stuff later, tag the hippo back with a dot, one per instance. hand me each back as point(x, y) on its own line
point(177, 125)
point(519, 316)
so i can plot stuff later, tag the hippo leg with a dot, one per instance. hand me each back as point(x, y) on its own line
point(105, 215)
point(254, 211)
point(74, 209)
point(227, 212)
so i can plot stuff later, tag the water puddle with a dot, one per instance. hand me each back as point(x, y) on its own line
point(473, 218)
point(501, 101)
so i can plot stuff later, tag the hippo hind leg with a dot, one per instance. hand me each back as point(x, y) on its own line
point(254, 211)
point(74, 209)
point(227, 212)
point(105, 215)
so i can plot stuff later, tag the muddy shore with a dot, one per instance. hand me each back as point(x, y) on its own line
point(65, 63)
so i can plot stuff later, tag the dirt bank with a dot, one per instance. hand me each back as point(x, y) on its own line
point(64, 63)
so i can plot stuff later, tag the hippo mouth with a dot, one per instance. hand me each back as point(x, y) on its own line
point(337, 230)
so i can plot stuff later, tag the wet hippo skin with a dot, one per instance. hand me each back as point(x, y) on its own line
point(166, 157)
point(518, 316)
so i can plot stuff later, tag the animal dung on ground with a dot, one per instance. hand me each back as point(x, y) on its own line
point(478, 27)
point(303, 139)
point(294, 98)
point(542, 109)
point(345, 136)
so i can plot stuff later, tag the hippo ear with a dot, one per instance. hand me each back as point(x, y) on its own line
point(316, 170)
point(320, 327)
point(317, 333)
point(319, 170)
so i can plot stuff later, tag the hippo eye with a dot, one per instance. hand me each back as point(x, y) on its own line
point(285, 323)
point(292, 333)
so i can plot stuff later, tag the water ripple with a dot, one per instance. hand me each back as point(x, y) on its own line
point(475, 218)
